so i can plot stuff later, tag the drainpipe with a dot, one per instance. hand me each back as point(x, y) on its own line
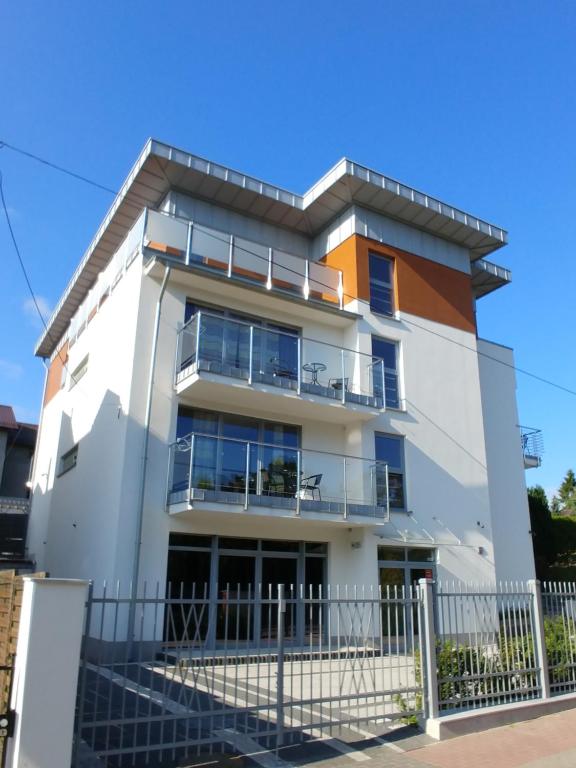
point(140, 509)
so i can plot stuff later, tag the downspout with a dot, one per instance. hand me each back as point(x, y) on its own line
point(140, 509)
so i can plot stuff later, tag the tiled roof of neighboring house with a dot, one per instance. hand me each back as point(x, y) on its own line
point(7, 418)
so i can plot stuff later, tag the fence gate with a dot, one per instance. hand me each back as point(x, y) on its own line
point(246, 671)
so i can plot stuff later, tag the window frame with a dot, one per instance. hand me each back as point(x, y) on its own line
point(401, 470)
point(389, 371)
point(382, 284)
point(62, 466)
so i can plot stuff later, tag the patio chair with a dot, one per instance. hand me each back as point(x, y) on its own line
point(272, 483)
point(339, 383)
point(310, 486)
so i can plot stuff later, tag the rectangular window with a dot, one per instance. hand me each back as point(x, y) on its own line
point(385, 371)
point(381, 287)
point(68, 460)
point(78, 372)
point(219, 454)
point(390, 449)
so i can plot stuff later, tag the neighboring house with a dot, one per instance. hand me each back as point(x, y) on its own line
point(17, 443)
point(248, 386)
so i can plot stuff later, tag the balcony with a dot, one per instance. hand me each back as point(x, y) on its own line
point(532, 447)
point(215, 474)
point(251, 366)
point(240, 260)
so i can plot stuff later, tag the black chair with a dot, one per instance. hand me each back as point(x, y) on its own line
point(311, 485)
point(339, 383)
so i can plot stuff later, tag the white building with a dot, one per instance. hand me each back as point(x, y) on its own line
point(248, 386)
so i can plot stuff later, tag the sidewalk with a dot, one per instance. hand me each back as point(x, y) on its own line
point(547, 742)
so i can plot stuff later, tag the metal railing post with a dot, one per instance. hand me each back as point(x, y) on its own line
point(250, 354)
point(343, 375)
point(197, 350)
point(428, 655)
point(383, 374)
point(340, 290)
point(299, 360)
point(144, 227)
point(280, 668)
point(190, 469)
point(306, 286)
point(247, 478)
point(298, 473)
point(269, 278)
point(230, 255)
point(179, 343)
point(189, 243)
point(387, 493)
point(539, 636)
point(345, 478)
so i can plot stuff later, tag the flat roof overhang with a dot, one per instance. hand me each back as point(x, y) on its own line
point(161, 167)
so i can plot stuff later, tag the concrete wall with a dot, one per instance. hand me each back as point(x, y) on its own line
point(508, 499)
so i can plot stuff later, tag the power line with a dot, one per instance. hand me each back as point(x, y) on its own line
point(27, 279)
point(93, 183)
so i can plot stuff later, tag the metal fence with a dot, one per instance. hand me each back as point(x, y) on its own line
point(559, 609)
point(485, 646)
point(286, 665)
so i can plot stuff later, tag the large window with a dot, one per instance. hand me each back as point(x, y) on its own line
point(220, 457)
point(381, 286)
point(225, 339)
point(390, 449)
point(385, 368)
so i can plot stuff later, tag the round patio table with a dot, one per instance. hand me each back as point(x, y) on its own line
point(314, 369)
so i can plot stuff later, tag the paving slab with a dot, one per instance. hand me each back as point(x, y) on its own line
point(546, 742)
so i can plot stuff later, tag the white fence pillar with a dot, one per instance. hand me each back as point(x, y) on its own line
point(540, 637)
point(428, 647)
point(46, 672)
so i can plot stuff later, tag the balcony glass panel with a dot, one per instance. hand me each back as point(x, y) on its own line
point(243, 259)
point(208, 468)
point(280, 358)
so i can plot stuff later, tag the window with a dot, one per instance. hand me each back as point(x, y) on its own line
point(381, 290)
point(225, 339)
point(390, 449)
point(68, 460)
point(219, 456)
point(385, 370)
point(79, 371)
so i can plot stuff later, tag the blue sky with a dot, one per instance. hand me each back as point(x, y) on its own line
point(472, 102)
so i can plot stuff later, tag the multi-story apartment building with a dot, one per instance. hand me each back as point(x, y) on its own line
point(249, 386)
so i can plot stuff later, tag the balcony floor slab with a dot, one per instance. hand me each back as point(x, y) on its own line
point(277, 394)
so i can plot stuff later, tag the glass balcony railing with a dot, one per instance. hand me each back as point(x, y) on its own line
point(209, 468)
point(258, 355)
point(241, 259)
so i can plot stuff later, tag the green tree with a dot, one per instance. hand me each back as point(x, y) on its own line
point(541, 528)
point(565, 502)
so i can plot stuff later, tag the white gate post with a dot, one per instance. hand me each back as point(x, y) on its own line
point(428, 646)
point(540, 637)
point(46, 672)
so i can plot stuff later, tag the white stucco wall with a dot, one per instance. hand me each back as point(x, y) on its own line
point(508, 499)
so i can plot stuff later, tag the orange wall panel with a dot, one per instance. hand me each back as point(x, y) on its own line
point(54, 379)
point(421, 287)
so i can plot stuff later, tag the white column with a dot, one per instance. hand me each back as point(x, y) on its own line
point(540, 637)
point(46, 672)
point(428, 659)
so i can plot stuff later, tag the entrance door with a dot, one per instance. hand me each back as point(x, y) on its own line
point(392, 584)
point(275, 571)
point(235, 607)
